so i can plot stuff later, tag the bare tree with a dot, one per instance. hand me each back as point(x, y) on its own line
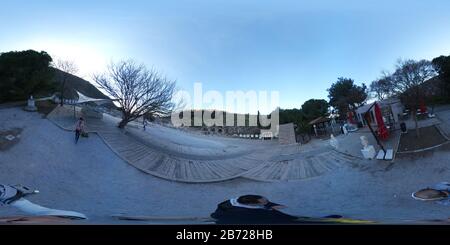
point(383, 87)
point(138, 91)
point(68, 68)
point(408, 79)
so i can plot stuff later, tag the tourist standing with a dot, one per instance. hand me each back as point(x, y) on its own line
point(79, 129)
point(144, 123)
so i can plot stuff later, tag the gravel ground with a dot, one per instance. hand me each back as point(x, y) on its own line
point(89, 178)
point(429, 137)
point(443, 113)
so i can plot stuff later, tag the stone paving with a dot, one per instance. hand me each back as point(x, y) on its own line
point(91, 179)
point(351, 143)
point(263, 163)
point(443, 114)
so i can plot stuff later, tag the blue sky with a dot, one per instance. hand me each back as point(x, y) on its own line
point(295, 47)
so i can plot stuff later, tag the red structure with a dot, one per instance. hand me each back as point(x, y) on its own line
point(383, 132)
point(423, 108)
point(350, 117)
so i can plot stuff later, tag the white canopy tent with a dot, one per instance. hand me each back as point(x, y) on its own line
point(85, 99)
point(86, 109)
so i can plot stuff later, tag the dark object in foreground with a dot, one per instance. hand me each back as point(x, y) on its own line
point(244, 210)
point(429, 194)
point(440, 191)
point(403, 127)
point(33, 220)
point(228, 214)
point(14, 196)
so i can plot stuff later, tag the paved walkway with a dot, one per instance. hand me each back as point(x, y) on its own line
point(351, 143)
point(277, 163)
point(91, 179)
point(443, 114)
point(301, 166)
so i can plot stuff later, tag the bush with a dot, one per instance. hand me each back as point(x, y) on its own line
point(25, 73)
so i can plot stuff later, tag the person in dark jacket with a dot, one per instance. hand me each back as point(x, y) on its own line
point(250, 209)
point(256, 209)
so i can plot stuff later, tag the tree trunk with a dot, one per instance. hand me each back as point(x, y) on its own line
point(432, 107)
point(123, 123)
point(62, 92)
point(414, 114)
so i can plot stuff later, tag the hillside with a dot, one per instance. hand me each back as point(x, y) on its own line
point(74, 84)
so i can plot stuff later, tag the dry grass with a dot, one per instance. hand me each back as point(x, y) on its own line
point(5, 143)
point(429, 137)
point(45, 106)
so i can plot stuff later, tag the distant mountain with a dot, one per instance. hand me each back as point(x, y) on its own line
point(74, 83)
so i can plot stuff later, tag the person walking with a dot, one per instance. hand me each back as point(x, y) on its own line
point(144, 123)
point(79, 129)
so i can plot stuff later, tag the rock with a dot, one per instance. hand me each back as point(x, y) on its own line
point(368, 152)
point(30, 105)
point(333, 142)
point(10, 137)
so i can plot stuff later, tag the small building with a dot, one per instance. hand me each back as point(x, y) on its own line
point(391, 109)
